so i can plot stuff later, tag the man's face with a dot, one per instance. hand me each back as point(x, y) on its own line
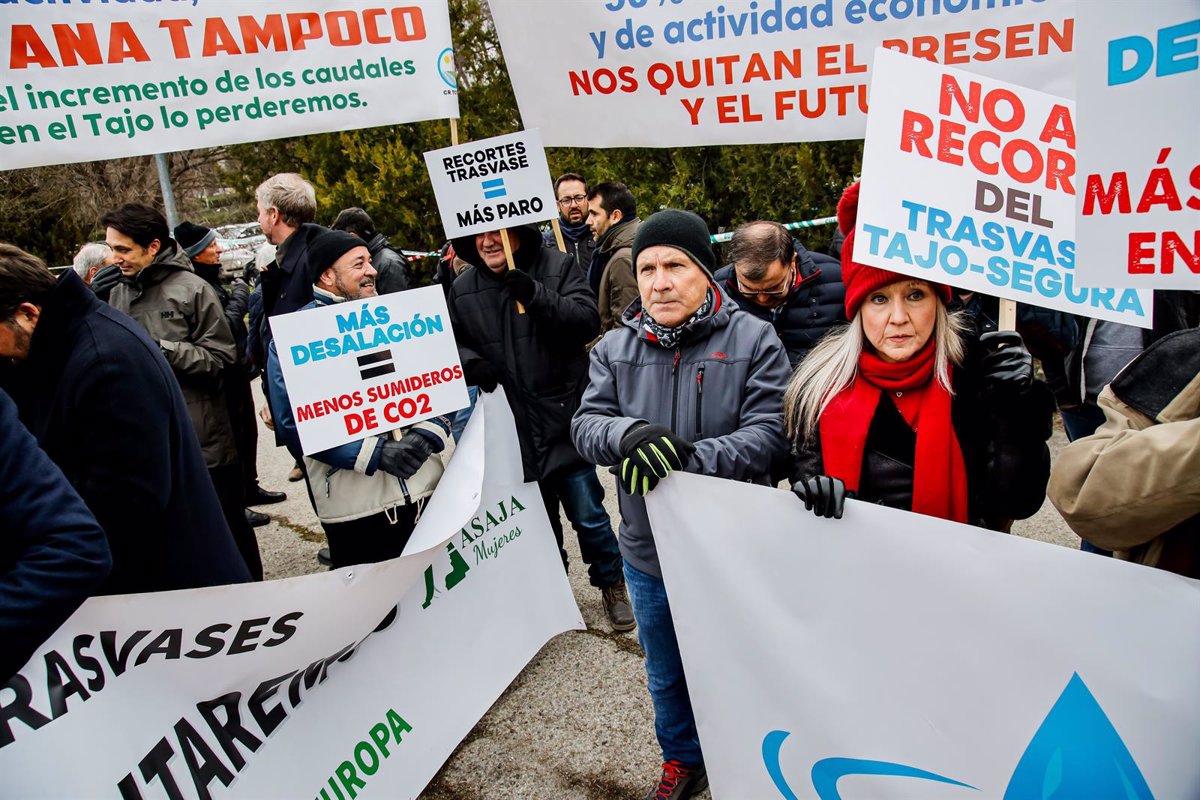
point(598, 219)
point(491, 249)
point(209, 255)
point(17, 331)
point(130, 257)
point(572, 201)
point(351, 276)
point(770, 290)
point(672, 286)
point(272, 228)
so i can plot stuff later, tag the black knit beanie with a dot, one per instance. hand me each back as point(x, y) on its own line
point(193, 238)
point(327, 247)
point(682, 230)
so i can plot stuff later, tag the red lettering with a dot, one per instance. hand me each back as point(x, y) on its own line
point(915, 132)
point(28, 48)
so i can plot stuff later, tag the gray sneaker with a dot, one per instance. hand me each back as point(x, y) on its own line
point(616, 605)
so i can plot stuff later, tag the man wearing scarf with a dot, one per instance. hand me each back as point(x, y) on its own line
point(689, 382)
point(571, 192)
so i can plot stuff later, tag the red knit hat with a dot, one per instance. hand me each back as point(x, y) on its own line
point(860, 279)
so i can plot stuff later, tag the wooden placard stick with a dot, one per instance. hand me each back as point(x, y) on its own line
point(454, 131)
point(508, 256)
point(562, 245)
point(1008, 315)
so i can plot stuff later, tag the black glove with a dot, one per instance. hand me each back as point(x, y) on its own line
point(824, 495)
point(403, 458)
point(651, 452)
point(1007, 366)
point(483, 374)
point(520, 286)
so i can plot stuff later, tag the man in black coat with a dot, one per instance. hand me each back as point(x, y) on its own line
point(53, 553)
point(799, 292)
point(537, 353)
point(97, 394)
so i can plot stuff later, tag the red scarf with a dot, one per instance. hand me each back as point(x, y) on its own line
point(939, 472)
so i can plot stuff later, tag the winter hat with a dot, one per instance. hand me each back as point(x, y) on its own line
point(328, 246)
point(682, 230)
point(194, 238)
point(860, 279)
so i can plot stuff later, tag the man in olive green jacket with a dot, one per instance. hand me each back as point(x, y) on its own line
point(1134, 485)
point(612, 216)
point(183, 314)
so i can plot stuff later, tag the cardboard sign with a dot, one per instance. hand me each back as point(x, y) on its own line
point(668, 73)
point(365, 367)
point(354, 683)
point(111, 80)
point(492, 184)
point(1139, 146)
point(971, 182)
point(913, 658)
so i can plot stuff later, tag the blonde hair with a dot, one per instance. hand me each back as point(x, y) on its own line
point(832, 365)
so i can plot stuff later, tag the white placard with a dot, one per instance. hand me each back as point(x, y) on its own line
point(971, 182)
point(668, 73)
point(365, 367)
point(108, 80)
point(910, 657)
point(491, 184)
point(357, 682)
point(1139, 150)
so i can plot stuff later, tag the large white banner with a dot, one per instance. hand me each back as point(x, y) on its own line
point(105, 80)
point(1139, 150)
point(889, 655)
point(354, 683)
point(357, 369)
point(668, 73)
point(971, 182)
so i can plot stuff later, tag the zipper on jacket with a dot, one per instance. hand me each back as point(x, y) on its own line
point(675, 385)
point(699, 403)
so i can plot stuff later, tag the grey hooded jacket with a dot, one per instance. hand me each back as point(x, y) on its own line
point(722, 389)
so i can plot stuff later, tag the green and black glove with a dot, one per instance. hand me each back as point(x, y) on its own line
point(651, 452)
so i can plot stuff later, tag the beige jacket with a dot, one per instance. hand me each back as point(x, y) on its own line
point(1134, 486)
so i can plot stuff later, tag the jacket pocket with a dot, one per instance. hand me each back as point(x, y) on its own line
point(549, 415)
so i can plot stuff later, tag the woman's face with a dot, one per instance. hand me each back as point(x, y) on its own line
point(898, 319)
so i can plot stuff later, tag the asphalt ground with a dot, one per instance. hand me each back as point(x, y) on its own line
point(577, 723)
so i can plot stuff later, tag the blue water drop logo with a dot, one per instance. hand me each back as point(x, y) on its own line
point(1077, 754)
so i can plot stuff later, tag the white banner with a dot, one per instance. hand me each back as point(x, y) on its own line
point(971, 182)
point(668, 73)
point(95, 81)
point(492, 183)
point(353, 683)
point(357, 369)
point(1139, 152)
point(909, 657)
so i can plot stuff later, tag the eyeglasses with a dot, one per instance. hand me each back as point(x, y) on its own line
point(779, 290)
point(573, 200)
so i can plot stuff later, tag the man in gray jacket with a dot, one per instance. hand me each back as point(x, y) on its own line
point(183, 314)
point(689, 382)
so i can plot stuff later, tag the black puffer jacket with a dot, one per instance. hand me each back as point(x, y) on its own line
point(390, 266)
point(540, 353)
point(814, 305)
point(1003, 442)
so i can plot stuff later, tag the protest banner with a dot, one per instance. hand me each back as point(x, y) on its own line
point(492, 183)
point(911, 657)
point(109, 80)
point(365, 367)
point(664, 73)
point(354, 683)
point(1139, 153)
point(971, 182)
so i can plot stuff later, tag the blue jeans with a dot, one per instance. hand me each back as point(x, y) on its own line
point(463, 414)
point(579, 492)
point(674, 723)
point(1080, 421)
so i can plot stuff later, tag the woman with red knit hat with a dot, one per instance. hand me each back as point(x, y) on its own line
point(906, 407)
